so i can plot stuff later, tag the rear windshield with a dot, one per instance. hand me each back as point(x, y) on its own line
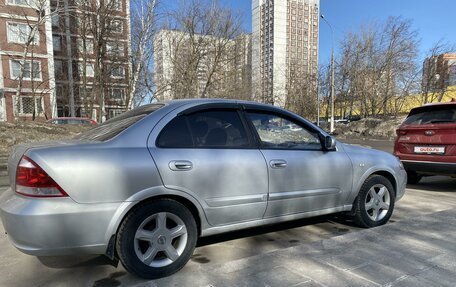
point(115, 126)
point(432, 115)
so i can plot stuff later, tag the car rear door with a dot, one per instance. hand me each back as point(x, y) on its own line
point(210, 154)
point(302, 177)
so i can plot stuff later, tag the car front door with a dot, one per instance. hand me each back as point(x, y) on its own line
point(210, 154)
point(302, 176)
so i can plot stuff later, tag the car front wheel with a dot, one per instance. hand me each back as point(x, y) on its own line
point(157, 239)
point(375, 202)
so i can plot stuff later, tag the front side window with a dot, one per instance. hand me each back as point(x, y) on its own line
point(278, 132)
point(207, 129)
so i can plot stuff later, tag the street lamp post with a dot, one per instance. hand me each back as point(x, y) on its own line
point(332, 73)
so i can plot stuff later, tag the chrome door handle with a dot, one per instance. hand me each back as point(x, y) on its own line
point(180, 165)
point(278, 163)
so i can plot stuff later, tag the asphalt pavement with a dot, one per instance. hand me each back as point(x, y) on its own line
point(416, 248)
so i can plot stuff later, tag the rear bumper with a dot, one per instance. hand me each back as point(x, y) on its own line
point(56, 226)
point(430, 168)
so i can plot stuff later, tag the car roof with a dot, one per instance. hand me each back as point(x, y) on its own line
point(69, 118)
point(199, 101)
point(453, 102)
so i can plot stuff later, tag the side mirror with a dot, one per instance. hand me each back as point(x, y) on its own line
point(329, 143)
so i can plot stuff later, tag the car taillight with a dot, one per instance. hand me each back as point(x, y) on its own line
point(401, 132)
point(32, 180)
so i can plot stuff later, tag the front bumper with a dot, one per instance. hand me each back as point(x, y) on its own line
point(430, 168)
point(56, 226)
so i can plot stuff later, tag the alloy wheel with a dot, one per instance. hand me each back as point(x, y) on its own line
point(160, 239)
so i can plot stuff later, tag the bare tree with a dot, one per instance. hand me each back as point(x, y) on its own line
point(376, 66)
point(26, 33)
point(144, 18)
point(101, 52)
point(199, 40)
point(301, 91)
point(433, 85)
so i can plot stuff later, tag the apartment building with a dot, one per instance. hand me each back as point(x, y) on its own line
point(84, 86)
point(78, 58)
point(439, 72)
point(184, 63)
point(285, 44)
point(26, 61)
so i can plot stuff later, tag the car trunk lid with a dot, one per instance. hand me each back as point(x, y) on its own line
point(20, 149)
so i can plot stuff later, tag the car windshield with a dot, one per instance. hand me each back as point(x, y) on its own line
point(115, 126)
point(432, 115)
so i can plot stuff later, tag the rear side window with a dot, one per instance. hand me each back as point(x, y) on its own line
point(207, 129)
point(176, 134)
point(115, 126)
point(432, 115)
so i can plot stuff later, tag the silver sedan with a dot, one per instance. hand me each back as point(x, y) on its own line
point(144, 186)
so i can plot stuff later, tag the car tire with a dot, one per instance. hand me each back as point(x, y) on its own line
point(156, 239)
point(413, 177)
point(374, 204)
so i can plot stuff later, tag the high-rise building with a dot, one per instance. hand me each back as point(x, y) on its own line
point(285, 44)
point(439, 72)
point(47, 45)
point(184, 65)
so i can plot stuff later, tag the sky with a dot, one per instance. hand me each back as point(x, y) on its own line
point(434, 19)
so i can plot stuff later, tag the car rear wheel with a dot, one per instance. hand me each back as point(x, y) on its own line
point(374, 204)
point(413, 177)
point(157, 239)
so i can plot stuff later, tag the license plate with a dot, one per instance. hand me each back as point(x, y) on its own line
point(429, 150)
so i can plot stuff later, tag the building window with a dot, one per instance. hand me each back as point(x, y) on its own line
point(114, 48)
point(57, 43)
point(118, 72)
point(30, 70)
point(21, 33)
point(58, 67)
point(117, 26)
point(89, 70)
point(28, 105)
point(116, 5)
point(114, 112)
point(88, 46)
point(27, 3)
point(117, 94)
point(55, 19)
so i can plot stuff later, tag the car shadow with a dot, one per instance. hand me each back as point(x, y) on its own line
point(435, 184)
point(250, 232)
point(67, 262)
point(75, 261)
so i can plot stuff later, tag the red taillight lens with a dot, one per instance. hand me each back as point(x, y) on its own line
point(32, 180)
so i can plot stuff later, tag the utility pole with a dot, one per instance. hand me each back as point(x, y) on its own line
point(332, 74)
